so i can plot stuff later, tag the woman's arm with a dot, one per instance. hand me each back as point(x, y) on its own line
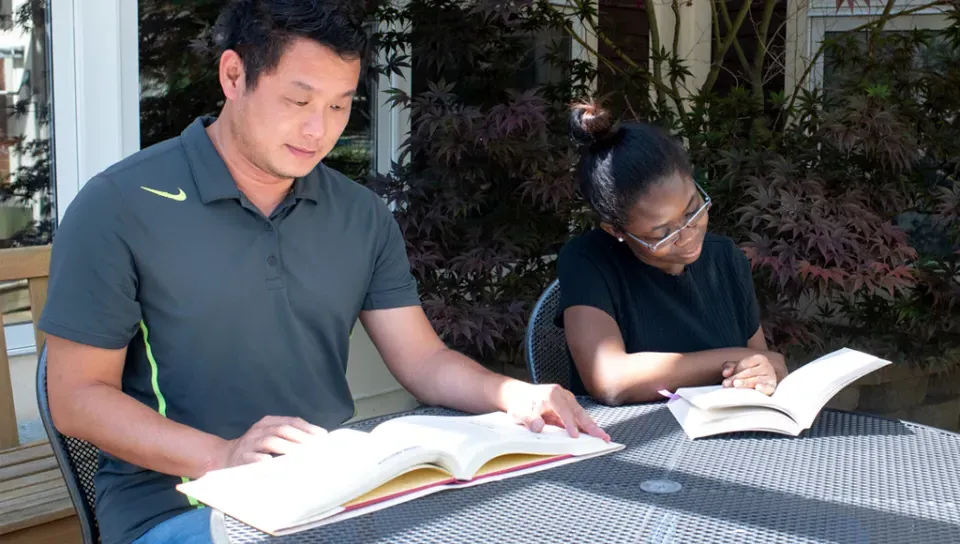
point(613, 376)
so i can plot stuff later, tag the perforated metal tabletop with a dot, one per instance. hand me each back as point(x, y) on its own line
point(850, 479)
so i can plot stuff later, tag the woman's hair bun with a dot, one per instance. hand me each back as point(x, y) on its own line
point(589, 123)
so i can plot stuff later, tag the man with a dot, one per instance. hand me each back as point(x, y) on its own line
point(202, 291)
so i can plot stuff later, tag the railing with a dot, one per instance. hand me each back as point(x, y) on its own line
point(33, 265)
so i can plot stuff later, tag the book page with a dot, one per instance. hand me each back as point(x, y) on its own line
point(422, 477)
point(806, 390)
point(697, 423)
point(412, 481)
point(519, 466)
point(715, 397)
point(469, 442)
point(801, 395)
point(311, 482)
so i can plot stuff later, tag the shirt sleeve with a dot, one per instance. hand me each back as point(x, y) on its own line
point(749, 308)
point(92, 290)
point(392, 284)
point(582, 283)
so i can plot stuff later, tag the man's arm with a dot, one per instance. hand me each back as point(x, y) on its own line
point(440, 376)
point(92, 312)
point(86, 402)
point(615, 377)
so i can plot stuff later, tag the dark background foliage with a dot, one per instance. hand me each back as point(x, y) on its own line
point(845, 198)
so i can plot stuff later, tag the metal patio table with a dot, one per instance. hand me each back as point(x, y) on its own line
point(851, 478)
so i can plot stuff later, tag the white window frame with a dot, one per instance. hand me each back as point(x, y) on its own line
point(824, 17)
point(96, 104)
point(393, 124)
point(96, 89)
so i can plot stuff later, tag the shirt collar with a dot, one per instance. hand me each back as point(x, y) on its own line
point(213, 179)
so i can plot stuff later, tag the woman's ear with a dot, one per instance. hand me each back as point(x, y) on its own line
point(609, 229)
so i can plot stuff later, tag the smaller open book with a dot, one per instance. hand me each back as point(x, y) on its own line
point(348, 472)
point(791, 409)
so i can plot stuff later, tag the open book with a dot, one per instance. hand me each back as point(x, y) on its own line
point(348, 472)
point(791, 409)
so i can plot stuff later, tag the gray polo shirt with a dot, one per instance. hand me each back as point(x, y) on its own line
point(228, 315)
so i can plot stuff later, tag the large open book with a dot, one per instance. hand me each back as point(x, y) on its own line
point(791, 409)
point(349, 472)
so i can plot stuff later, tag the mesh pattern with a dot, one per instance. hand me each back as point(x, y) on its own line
point(851, 479)
point(548, 358)
point(83, 464)
point(81, 456)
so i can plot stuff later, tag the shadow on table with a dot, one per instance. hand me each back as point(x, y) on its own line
point(753, 510)
point(831, 424)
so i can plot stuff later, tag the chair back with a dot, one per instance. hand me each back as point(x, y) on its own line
point(548, 357)
point(23, 292)
point(77, 459)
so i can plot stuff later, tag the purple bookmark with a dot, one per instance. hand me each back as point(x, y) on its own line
point(669, 395)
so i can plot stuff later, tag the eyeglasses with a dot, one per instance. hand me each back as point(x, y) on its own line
point(672, 237)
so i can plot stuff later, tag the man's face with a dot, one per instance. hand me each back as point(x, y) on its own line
point(296, 113)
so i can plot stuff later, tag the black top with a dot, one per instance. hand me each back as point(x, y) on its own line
point(228, 315)
point(710, 305)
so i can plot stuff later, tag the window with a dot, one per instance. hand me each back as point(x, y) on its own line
point(926, 56)
point(827, 22)
point(26, 189)
point(355, 152)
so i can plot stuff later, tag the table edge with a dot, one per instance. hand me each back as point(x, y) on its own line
point(591, 400)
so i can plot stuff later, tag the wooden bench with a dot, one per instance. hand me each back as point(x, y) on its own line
point(34, 504)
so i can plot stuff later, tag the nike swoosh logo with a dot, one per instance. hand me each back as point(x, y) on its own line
point(179, 197)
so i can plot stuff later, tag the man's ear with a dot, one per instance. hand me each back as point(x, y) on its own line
point(611, 230)
point(232, 75)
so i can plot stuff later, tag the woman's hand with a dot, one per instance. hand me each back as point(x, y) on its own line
point(761, 371)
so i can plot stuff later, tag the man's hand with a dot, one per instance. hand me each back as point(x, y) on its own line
point(536, 405)
point(759, 371)
point(270, 435)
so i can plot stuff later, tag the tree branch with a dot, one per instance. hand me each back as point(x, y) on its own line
point(675, 5)
point(655, 48)
point(756, 75)
point(744, 63)
point(875, 34)
point(724, 45)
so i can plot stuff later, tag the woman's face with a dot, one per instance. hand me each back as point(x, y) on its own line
point(667, 224)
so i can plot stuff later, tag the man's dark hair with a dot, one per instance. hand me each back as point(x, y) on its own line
point(260, 30)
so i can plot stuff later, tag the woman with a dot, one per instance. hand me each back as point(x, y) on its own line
point(651, 300)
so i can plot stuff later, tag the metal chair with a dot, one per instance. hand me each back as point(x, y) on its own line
point(548, 357)
point(77, 459)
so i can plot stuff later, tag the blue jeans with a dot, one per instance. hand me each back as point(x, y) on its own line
point(191, 527)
